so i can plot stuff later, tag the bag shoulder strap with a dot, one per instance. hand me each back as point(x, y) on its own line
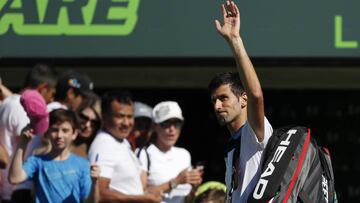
point(147, 156)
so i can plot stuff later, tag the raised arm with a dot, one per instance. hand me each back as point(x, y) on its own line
point(93, 197)
point(230, 30)
point(16, 173)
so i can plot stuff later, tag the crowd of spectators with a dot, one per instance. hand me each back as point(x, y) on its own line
point(61, 142)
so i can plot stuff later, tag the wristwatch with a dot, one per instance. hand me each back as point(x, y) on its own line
point(173, 183)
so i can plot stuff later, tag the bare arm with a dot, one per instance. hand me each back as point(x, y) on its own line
point(193, 177)
point(230, 30)
point(16, 173)
point(94, 195)
point(4, 158)
point(143, 177)
point(108, 195)
point(94, 192)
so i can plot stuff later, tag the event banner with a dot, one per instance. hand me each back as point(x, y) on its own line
point(176, 28)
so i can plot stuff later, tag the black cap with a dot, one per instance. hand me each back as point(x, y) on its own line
point(75, 80)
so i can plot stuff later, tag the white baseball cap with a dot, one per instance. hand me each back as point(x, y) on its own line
point(142, 110)
point(166, 110)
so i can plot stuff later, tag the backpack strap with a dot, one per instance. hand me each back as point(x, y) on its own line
point(147, 156)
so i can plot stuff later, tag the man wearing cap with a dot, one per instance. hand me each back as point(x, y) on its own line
point(140, 135)
point(13, 119)
point(71, 89)
point(169, 167)
point(121, 175)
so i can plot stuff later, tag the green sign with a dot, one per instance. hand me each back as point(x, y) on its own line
point(71, 18)
point(176, 28)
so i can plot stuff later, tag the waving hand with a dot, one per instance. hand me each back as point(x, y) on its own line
point(231, 27)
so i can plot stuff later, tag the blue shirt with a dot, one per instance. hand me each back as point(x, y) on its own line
point(59, 181)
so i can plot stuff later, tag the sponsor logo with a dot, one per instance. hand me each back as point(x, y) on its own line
point(262, 184)
point(69, 17)
point(325, 188)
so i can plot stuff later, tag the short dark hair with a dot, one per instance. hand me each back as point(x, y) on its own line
point(230, 78)
point(121, 96)
point(64, 115)
point(40, 73)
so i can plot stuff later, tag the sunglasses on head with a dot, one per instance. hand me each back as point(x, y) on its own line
point(169, 123)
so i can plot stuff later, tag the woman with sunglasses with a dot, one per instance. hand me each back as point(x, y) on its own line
point(169, 167)
point(89, 118)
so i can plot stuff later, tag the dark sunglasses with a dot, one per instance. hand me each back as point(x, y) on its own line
point(168, 124)
point(84, 119)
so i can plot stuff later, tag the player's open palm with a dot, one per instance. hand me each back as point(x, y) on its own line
point(231, 27)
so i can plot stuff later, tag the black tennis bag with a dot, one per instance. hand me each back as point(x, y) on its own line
point(295, 169)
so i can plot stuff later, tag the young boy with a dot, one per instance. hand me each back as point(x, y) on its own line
point(59, 176)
